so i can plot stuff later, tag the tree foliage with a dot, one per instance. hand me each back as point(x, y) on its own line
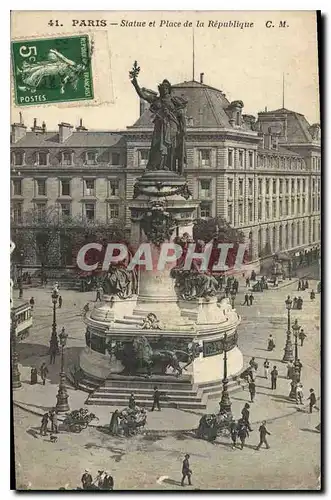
point(55, 239)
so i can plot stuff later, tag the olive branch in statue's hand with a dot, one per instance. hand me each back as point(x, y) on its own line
point(135, 71)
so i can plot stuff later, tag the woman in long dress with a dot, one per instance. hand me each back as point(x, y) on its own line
point(114, 423)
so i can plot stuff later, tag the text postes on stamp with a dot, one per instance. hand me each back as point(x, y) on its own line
point(52, 70)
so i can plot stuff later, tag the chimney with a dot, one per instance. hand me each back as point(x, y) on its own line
point(143, 106)
point(65, 131)
point(81, 127)
point(266, 109)
point(21, 118)
point(18, 131)
point(201, 77)
point(36, 127)
point(267, 140)
point(43, 126)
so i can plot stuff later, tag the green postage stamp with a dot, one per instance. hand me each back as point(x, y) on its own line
point(52, 70)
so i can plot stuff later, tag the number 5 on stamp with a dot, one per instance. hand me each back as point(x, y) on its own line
point(52, 70)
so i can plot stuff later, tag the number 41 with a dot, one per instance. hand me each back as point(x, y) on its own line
point(54, 23)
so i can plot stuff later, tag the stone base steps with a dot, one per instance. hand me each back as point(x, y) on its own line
point(173, 394)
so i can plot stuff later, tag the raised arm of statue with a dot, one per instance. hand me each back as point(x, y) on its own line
point(147, 95)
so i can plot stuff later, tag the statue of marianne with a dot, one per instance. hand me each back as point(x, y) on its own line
point(167, 151)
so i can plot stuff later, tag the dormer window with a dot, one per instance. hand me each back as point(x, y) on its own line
point(90, 158)
point(67, 157)
point(19, 158)
point(115, 158)
point(42, 158)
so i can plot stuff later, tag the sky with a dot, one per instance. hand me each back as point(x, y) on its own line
point(247, 64)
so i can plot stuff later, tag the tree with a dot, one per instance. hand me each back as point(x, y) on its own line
point(55, 239)
point(218, 230)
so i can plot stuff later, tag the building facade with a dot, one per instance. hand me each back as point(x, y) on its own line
point(263, 175)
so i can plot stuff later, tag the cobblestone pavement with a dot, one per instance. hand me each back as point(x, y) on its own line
point(155, 456)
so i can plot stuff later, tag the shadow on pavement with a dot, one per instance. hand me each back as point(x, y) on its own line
point(44, 408)
point(314, 431)
point(172, 482)
point(35, 354)
point(34, 432)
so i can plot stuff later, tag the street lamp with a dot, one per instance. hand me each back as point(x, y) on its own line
point(288, 350)
point(225, 403)
point(54, 344)
point(296, 328)
point(16, 376)
point(62, 396)
point(296, 371)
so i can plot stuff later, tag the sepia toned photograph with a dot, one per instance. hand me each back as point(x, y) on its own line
point(165, 250)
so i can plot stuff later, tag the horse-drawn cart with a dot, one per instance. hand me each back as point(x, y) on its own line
point(212, 425)
point(77, 420)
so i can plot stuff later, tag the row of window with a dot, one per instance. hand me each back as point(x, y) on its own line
point(286, 208)
point(282, 162)
point(289, 235)
point(236, 158)
point(67, 158)
point(316, 163)
point(89, 210)
point(205, 190)
point(89, 187)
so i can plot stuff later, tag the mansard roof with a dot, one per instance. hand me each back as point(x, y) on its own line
point(299, 129)
point(205, 108)
point(85, 139)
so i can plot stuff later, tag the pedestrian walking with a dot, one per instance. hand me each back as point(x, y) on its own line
point(52, 353)
point(33, 376)
point(246, 302)
point(44, 422)
point(247, 282)
point(32, 303)
point(274, 376)
point(60, 301)
point(312, 400)
point(132, 402)
point(302, 336)
point(299, 286)
point(186, 471)
point(245, 416)
point(234, 433)
point(86, 480)
point(306, 285)
point(114, 423)
point(252, 390)
point(266, 366)
point(99, 293)
point(299, 394)
point(271, 343)
point(253, 364)
point(251, 298)
point(43, 373)
point(312, 295)
point(263, 436)
point(156, 399)
point(243, 433)
point(108, 482)
point(53, 419)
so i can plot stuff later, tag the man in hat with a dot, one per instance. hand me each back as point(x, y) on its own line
point(86, 480)
point(186, 471)
point(263, 435)
point(274, 376)
point(43, 372)
point(302, 336)
point(156, 399)
point(44, 422)
point(245, 416)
